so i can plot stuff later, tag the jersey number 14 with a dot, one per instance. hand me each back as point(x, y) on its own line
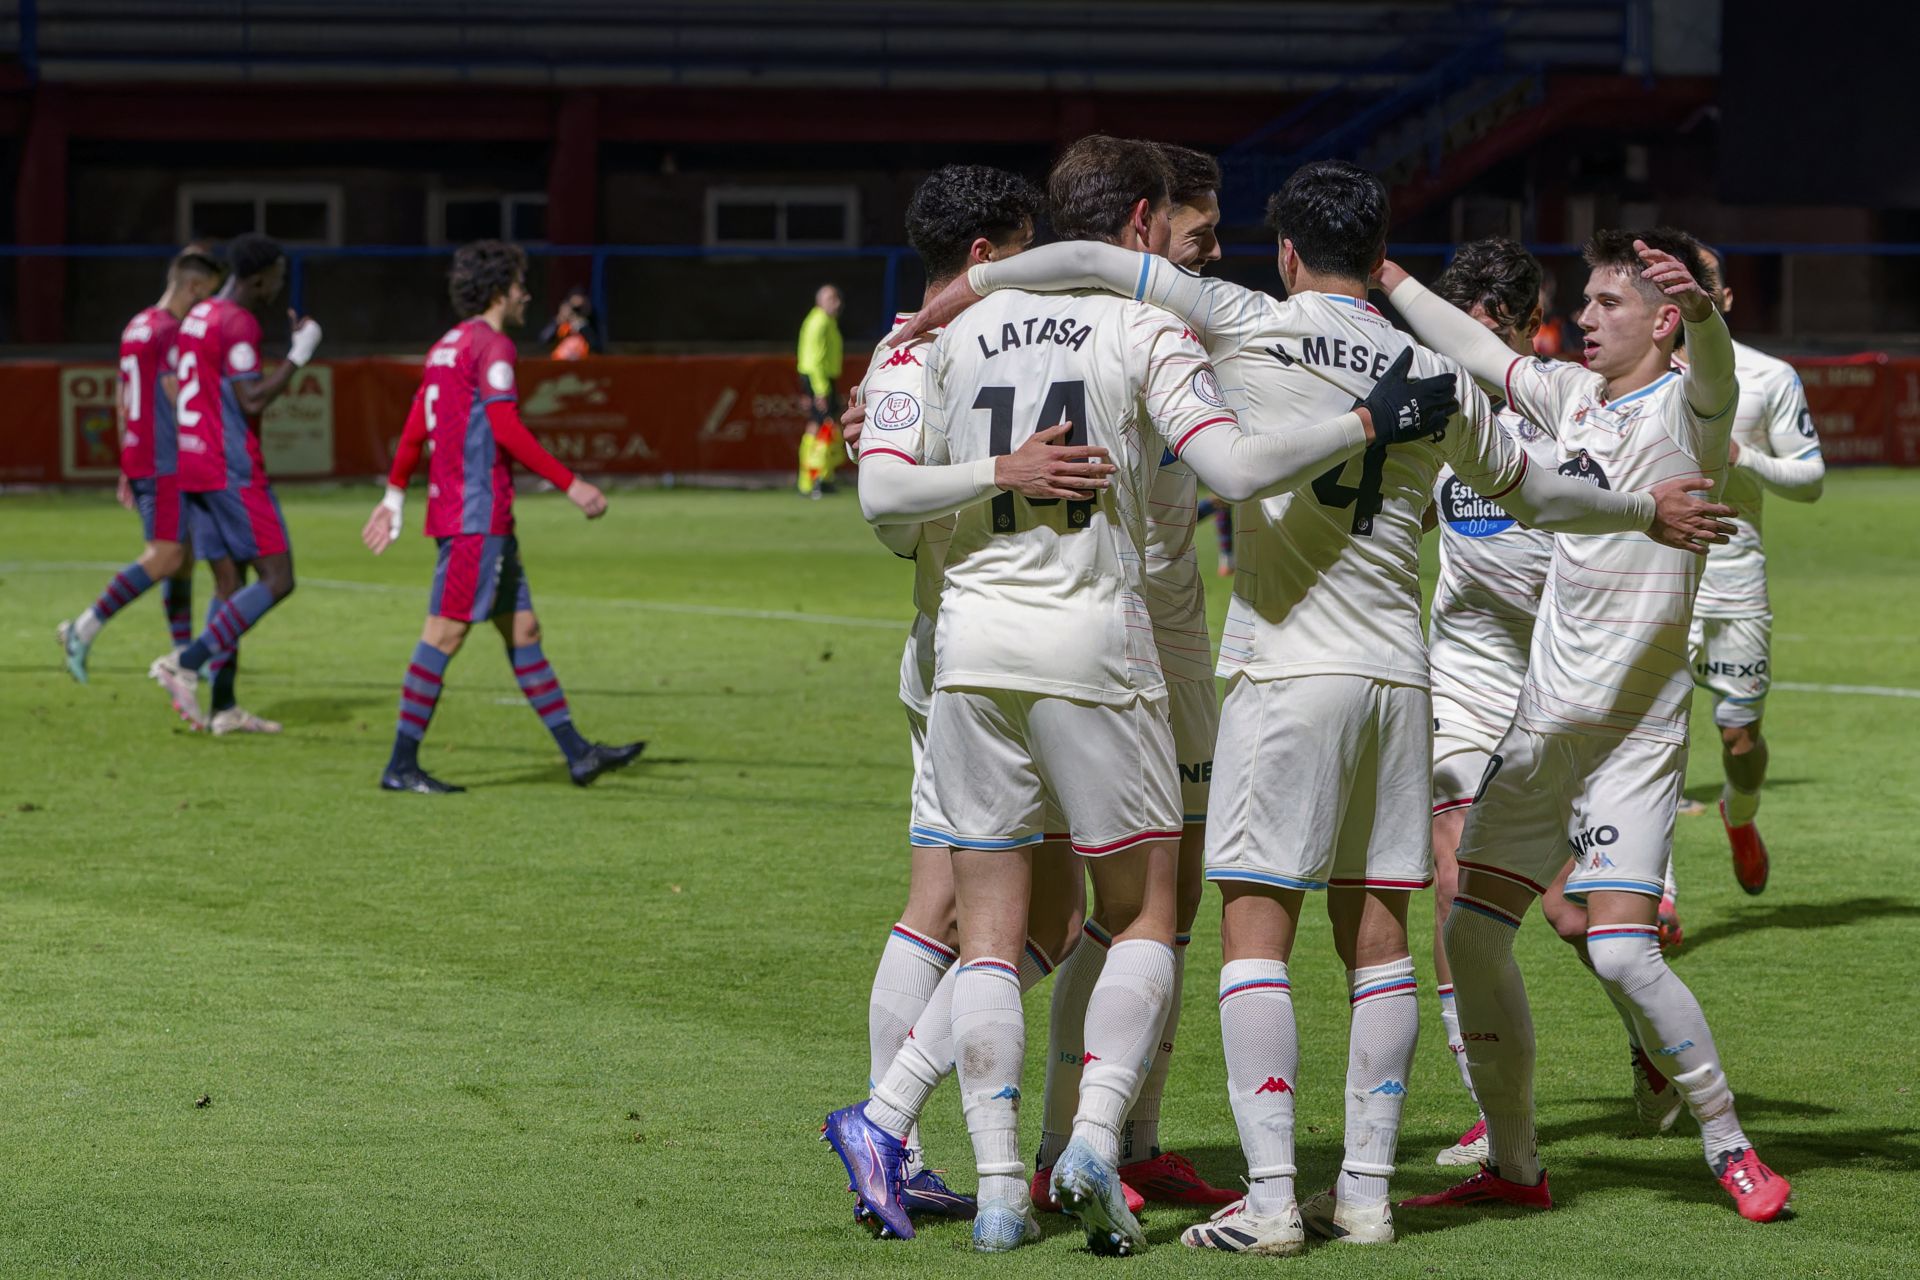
point(1064, 402)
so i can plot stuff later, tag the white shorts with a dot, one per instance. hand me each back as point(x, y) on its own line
point(1193, 707)
point(1322, 780)
point(1461, 748)
point(1733, 657)
point(1613, 800)
point(995, 758)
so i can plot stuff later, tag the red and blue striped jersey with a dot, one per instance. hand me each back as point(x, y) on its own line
point(469, 481)
point(217, 346)
point(147, 443)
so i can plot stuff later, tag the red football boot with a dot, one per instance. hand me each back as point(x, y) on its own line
point(1671, 933)
point(1170, 1178)
point(1758, 1192)
point(1749, 854)
point(1040, 1191)
point(1486, 1189)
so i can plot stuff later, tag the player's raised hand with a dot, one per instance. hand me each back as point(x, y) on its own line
point(1673, 279)
point(1389, 276)
point(588, 498)
point(1684, 520)
point(1403, 409)
point(946, 304)
point(1039, 468)
point(306, 337)
point(852, 422)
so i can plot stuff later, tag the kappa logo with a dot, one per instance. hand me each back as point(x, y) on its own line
point(1206, 387)
point(901, 357)
point(1585, 468)
point(1391, 1088)
point(1670, 1050)
point(1089, 1057)
point(1006, 1091)
point(1274, 1084)
point(895, 411)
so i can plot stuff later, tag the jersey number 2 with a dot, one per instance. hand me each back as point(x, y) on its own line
point(1364, 497)
point(1065, 402)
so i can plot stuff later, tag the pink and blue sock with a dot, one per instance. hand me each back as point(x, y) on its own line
point(177, 595)
point(127, 586)
point(230, 619)
point(419, 695)
point(222, 668)
point(542, 689)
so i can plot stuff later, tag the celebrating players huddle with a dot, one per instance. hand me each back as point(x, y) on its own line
point(192, 391)
point(1033, 438)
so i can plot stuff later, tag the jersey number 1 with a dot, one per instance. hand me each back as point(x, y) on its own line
point(1364, 497)
point(1065, 402)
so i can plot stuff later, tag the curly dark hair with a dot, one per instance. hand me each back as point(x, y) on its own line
point(1096, 182)
point(1495, 274)
point(962, 203)
point(483, 271)
point(1614, 249)
point(1190, 174)
point(1336, 215)
point(250, 254)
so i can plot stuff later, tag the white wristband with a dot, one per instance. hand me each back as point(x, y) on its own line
point(305, 338)
point(395, 500)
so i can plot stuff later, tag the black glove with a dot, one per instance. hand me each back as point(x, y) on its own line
point(1406, 409)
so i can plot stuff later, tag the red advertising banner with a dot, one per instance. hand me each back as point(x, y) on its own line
point(653, 415)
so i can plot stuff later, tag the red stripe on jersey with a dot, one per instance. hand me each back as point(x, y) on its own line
point(1191, 432)
point(906, 458)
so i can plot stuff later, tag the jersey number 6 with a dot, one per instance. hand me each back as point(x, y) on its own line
point(1065, 402)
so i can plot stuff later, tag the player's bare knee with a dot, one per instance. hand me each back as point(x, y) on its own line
point(164, 560)
point(1741, 739)
point(444, 634)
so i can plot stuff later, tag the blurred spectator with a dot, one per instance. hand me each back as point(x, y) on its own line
point(1554, 340)
point(573, 331)
point(818, 361)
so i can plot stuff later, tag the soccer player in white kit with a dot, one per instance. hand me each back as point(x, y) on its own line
point(1775, 448)
point(1321, 768)
point(1177, 603)
point(1596, 754)
point(1493, 571)
point(1048, 685)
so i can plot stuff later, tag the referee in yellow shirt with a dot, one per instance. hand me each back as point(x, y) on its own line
point(819, 363)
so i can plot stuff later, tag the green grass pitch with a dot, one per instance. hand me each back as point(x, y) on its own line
point(538, 1031)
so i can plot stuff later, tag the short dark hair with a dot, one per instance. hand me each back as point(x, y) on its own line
point(1614, 249)
point(1336, 215)
point(483, 271)
point(1495, 274)
point(1096, 182)
point(1190, 174)
point(250, 254)
point(195, 260)
point(961, 203)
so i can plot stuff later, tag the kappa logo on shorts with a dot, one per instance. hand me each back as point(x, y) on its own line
point(1585, 468)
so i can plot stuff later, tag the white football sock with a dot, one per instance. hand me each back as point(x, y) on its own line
point(1741, 805)
point(1380, 1044)
point(990, 1043)
point(1627, 957)
point(1497, 1026)
point(1263, 1060)
point(88, 625)
point(1450, 1023)
point(1066, 1039)
point(1124, 1018)
point(1140, 1136)
point(911, 966)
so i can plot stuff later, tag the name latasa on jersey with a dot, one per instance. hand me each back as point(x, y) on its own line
point(148, 446)
point(1046, 596)
point(217, 347)
point(1772, 418)
point(1327, 578)
point(469, 477)
point(894, 393)
point(1610, 650)
point(1493, 570)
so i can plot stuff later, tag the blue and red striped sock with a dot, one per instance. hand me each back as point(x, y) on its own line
point(419, 695)
point(176, 594)
point(127, 586)
point(542, 687)
point(230, 619)
point(222, 668)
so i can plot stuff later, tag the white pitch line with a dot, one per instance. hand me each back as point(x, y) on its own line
point(1867, 690)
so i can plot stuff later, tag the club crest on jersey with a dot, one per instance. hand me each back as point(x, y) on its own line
point(1470, 515)
point(1207, 387)
point(1805, 425)
point(1585, 468)
point(895, 411)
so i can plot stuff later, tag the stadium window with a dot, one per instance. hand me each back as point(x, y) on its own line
point(292, 213)
point(782, 217)
point(456, 217)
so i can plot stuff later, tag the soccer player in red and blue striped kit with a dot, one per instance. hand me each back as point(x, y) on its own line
point(467, 411)
point(148, 461)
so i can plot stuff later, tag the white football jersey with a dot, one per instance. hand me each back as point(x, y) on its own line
point(1047, 597)
point(1610, 650)
point(1176, 597)
point(894, 392)
point(1773, 419)
point(1492, 571)
point(1327, 578)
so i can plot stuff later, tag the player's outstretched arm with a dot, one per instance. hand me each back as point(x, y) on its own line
point(893, 490)
point(1799, 479)
point(1447, 329)
point(1672, 514)
point(511, 434)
